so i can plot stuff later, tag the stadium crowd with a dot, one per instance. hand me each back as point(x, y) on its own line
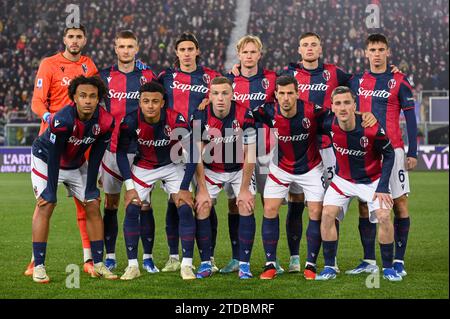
point(29, 31)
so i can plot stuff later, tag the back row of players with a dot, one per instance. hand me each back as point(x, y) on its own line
point(240, 103)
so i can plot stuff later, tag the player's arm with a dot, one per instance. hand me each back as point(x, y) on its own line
point(383, 145)
point(249, 141)
point(39, 101)
point(126, 135)
point(408, 107)
point(95, 157)
point(264, 113)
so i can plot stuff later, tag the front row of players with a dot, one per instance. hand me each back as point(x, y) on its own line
point(218, 145)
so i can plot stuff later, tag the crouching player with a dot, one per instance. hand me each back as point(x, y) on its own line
point(156, 129)
point(364, 161)
point(58, 157)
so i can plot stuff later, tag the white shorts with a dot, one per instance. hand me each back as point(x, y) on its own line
point(399, 180)
point(144, 179)
point(73, 179)
point(110, 174)
point(341, 192)
point(280, 182)
point(233, 180)
point(329, 165)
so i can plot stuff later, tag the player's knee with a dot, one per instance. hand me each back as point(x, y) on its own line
point(297, 198)
point(270, 210)
point(328, 216)
point(383, 216)
point(401, 207)
point(232, 207)
point(315, 211)
point(203, 212)
point(112, 201)
point(363, 210)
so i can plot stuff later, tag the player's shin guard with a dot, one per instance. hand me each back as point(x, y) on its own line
point(247, 227)
point(270, 237)
point(314, 240)
point(387, 254)
point(187, 230)
point(329, 252)
point(233, 230)
point(111, 229)
point(131, 230)
point(368, 233)
point(294, 226)
point(39, 251)
point(172, 221)
point(401, 231)
point(214, 223)
point(147, 230)
point(203, 235)
point(81, 220)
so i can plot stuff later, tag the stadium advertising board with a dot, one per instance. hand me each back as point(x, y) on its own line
point(18, 159)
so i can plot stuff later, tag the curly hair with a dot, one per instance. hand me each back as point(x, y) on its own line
point(93, 80)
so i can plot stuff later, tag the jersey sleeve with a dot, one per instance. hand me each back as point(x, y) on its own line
point(249, 128)
point(264, 113)
point(39, 102)
point(127, 133)
point(92, 68)
point(60, 123)
point(324, 123)
point(383, 145)
point(198, 123)
point(182, 126)
point(405, 95)
point(343, 77)
point(95, 157)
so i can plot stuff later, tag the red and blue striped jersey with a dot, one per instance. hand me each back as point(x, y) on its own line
point(384, 94)
point(315, 86)
point(154, 141)
point(185, 91)
point(123, 95)
point(66, 140)
point(253, 91)
point(359, 153)
point(224, 139)
point(296, 136)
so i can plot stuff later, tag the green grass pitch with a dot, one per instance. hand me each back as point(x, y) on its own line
point(426, 260)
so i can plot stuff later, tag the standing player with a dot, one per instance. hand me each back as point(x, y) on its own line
point(385, 94)
point(50, 95)
point(252, 87)
point(186, 85)
point(228, 147)
point(297, 165)
point(155, 130)
point(123, 81)
point(359, 173)
point(59, 156)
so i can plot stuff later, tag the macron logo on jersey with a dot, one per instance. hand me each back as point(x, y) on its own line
point(113, 94)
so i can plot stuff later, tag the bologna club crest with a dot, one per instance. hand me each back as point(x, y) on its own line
point(364, 141)
point(85, 68)
point(306, 123)
point(326, 75)
point(265, 83)
point(167, 130)
point(96, 129)
point(206, 78)
point(392, 83)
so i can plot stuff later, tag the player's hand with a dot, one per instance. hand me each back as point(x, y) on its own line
point(395, 69)
point(411, 163)
point(141, 65)
point(235, 70)
point(132, 197)
point(202, 199)
point(203, 105)
point(246, 198)
point(41, 202)
point(184, 197)
point(368, 119)
point(385, 199)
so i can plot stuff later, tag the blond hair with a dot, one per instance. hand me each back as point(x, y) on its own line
point(249, 39)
